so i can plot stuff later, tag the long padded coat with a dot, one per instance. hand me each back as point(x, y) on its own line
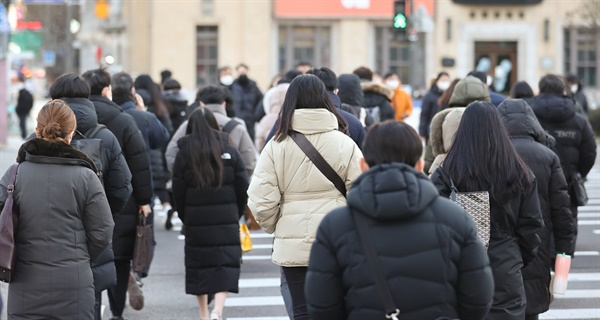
point(210, 216)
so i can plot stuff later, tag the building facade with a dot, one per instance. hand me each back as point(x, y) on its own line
point(512, 40)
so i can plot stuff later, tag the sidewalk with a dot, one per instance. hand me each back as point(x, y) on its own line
point(8, 152)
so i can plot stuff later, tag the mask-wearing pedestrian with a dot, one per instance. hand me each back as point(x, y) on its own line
point(574, 88)
point(443, 85)
point(226, 80)
point(392, 83)
point(243, 80)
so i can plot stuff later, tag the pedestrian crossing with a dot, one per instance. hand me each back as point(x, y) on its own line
point(260, 297)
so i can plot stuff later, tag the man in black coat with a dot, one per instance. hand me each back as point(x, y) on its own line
point(431, 257)
point(247, 98)
point(531, 141)
point(23, 108)
point(124, 127)
point(116, 176)
point(575, 143)
point(377, 96)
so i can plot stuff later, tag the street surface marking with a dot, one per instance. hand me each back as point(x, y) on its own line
point(589, 222)
point(256, 258)
point(262, 246)
point(596, 231)
point(579, 294)
point(270, 236)
point(261, 283)
point(254, 301)
point(584, 277)
point(571, 314)
point(587, 253)
point(260, 318)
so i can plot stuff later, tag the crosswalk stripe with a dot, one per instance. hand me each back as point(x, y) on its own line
point(260, 318)
point(596, 231)
point(254, 301)
point(591, 276)
point(588, 222)
point(260, 235)
point(256, 257)
point(588, 215)
point(261, 283)
point(262, 246)
point(587, 253)
point(579, 294)
point(564, 314)
point(589, 209)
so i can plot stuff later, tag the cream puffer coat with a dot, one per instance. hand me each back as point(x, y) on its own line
point(289, 196)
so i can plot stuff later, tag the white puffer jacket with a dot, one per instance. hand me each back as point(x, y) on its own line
point(289, 196)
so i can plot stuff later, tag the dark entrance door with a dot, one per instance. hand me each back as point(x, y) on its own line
point(499, 60)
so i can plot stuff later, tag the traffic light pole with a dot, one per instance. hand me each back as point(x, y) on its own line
point(413, 51)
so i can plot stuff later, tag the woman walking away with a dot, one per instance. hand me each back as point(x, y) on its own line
point(482, 158)
point(209, 187)
point(430, 103)
point(289, 195)
point(58, 237)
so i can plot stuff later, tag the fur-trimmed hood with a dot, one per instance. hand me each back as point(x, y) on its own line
point(43, 151)
point(378, 88)
point(443, 127)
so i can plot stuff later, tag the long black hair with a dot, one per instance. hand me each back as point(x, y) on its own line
point(159, 106)
point(205, 148)
point(482, 158)
point(305, 92)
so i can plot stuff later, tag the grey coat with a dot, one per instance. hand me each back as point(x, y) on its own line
point(65, 222)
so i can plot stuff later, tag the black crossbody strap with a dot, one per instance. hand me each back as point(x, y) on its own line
point(362, 222)
point(317, 159)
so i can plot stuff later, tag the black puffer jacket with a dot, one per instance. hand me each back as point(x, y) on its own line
point(115, 172)
point(210, 216)
point(428, 249)
point(528, 138)
point(178, 107)
point(378, 95)
point(513, 244)
point(575, 144)
point(124, 127)
point(428, 109)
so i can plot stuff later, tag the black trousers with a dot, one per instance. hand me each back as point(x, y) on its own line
point(98, 306)
point(296, 278)
point(117, 295)
point(23, 125)
point(532, 317)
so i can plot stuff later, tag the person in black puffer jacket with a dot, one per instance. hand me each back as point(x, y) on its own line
point(209, 187)
point(124, 127)
point(430, 107)
point(352, 98)
point(377, 96)
point(116, 176)
point(177, 102)
point(575, 143)
point(247, 98)
point(431, 257)
point(530, 140)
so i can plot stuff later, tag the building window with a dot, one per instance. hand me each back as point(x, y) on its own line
point(582, 48)
point(304, 44)
point(392, 54)
point(207, 41)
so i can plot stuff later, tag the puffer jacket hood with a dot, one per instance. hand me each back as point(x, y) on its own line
point(85, 112)
point(443, 127)
point(174, 95)
point(350, 91)
point(378, 88)
point(554, 108)
point(520, 121)
point(468, 90)
point(374, 192)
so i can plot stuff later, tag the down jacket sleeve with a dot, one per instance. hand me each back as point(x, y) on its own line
point(475, 288)
point(529, 224)
point(563, 226)
point(134, 149)
point(324, 287)
point(179, 185)
point(172, 147)
point(116, 175)
point(264, 195)
point(240, 139)
point(428, 108)
point(241, 182)
point(587, 150)
point(97, 218)
point(353, 167)
point(158, 135)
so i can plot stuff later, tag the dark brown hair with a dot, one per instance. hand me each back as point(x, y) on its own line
point(55, 121)
point(392, 141)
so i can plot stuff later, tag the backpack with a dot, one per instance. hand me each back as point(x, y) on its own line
point(375, 114)
point(229, 126)
point(92, 147)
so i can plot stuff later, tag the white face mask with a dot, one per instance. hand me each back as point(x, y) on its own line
point(443, 85)
point(392, 83)
point(574, 88)
point(226, 79)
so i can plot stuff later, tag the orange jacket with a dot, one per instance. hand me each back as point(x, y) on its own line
point(402, 104)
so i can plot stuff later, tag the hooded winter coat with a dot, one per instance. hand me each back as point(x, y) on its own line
point(289, 196)
point(178, 107)
point(443, 128)
point(211, 218)
point(115, 172)
point(466, 91)
point(272, 103)
point(58, 237)
point(124, 127)
point(428, 248)
point(529, 140)
point(378, 95)
point(514, 242)
point(429, 108)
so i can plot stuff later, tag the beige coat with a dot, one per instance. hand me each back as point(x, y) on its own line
point(289, 196)
point(443, 128)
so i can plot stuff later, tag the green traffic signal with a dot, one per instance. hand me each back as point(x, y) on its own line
point(400, 21)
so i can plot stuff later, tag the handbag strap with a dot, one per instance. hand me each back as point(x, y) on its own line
point(317, 159)
point(361, 221)
point(453, 189)
point(13, 178)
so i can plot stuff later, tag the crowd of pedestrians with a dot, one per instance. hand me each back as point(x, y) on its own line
point(316, 160)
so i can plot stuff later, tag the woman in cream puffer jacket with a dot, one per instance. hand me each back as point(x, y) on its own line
point(288, 195)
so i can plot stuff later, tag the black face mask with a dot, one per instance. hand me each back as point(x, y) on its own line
point(243, 80)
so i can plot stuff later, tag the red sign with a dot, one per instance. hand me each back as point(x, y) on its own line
point(29, 25)
point(334, 8)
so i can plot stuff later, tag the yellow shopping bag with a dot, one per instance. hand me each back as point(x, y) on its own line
point(245, 239)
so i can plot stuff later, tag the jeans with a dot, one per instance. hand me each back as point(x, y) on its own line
point(287, 298)
point(296, 278)
point(118, 294)
point(23, 125)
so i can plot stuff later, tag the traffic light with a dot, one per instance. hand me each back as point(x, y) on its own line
point(400, 19)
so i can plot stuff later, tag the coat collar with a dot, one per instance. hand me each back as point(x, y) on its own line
point(216, 108)
point(42, 151)
point(312, 121)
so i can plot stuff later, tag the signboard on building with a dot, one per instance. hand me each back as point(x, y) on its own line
point(333, 8)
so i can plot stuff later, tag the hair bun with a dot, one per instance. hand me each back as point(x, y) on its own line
point(52, 131)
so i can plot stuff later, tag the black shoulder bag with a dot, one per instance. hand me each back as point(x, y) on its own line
point(391, 311)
